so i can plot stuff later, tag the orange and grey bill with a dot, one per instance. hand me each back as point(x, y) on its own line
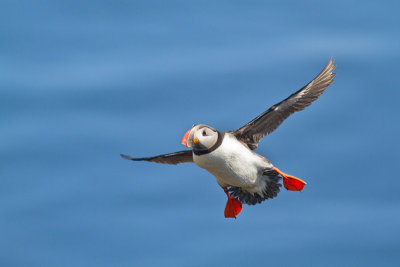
point(186, 138)
point(233, 206)
point(290, 182)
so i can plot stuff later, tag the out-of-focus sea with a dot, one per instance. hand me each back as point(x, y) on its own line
point(83, 81)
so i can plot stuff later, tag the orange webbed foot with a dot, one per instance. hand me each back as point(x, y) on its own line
point(233, 206)
point(290, 182)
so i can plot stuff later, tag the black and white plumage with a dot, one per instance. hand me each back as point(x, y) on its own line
point(229, 156)
point(235, 166)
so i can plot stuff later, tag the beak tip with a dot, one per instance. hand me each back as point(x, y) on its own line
point(184, 143)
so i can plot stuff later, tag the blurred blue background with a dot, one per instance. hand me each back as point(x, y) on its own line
point(83, 81)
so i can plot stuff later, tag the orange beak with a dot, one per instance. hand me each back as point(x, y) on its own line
point(186, 138)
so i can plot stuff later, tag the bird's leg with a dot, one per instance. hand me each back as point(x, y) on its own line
point(233, 206)
point(290, 182)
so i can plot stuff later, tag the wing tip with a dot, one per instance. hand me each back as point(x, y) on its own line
point(326, 73)
point(332, 68)
point(332, 64)
point(126, 157)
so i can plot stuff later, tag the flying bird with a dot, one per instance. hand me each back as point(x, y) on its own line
point(245, 176)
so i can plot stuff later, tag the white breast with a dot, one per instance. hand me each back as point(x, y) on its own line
point(232, 163)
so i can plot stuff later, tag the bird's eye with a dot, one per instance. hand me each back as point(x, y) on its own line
point(204, 133)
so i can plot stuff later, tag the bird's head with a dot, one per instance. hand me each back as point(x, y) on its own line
point(200, 137)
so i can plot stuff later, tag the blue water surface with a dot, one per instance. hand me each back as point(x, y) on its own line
point(83, 81)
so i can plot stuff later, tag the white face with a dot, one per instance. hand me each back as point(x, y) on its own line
point(202, 137)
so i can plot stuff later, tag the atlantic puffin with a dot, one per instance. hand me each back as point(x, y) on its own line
point(245, 176)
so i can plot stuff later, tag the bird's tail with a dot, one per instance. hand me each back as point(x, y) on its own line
point(271, 189)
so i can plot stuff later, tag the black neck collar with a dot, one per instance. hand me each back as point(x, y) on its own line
point(211, 149)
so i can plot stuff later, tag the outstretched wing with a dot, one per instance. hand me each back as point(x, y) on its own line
point(171, 158)
point(267, 122)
